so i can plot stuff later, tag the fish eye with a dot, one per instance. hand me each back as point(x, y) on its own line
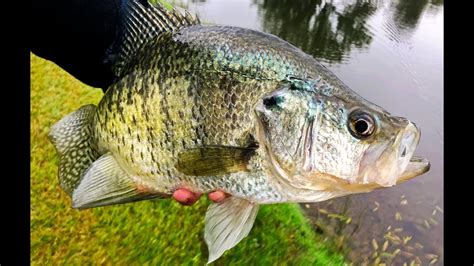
point(361, 125)
point(273, 101)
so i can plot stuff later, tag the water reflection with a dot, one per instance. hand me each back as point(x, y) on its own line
point(407, 13)
point(317, 27)
point(406, 17)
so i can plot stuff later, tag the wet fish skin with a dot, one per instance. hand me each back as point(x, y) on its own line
point(186, 92)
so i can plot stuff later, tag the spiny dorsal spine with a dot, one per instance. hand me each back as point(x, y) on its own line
point(141, 22)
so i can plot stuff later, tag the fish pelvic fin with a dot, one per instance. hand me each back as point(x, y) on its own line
point(71, 136)
point(141, 22)
point(227, 223)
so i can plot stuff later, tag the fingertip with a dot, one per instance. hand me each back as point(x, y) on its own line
point(217, 196)
point(185, 196)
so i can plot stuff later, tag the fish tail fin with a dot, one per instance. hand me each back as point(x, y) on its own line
point(141, 22)
point(72, 138)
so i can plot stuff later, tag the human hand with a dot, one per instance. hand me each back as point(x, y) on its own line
point(187, 197)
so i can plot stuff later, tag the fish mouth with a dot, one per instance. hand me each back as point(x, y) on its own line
point(417, 166)
point(389, 164)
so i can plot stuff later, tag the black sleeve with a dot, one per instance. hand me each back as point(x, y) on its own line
point(75, 34)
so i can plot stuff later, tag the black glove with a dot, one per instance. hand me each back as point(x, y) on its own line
point(75, 34)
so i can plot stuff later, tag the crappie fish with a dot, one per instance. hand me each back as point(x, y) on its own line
point(225, 108)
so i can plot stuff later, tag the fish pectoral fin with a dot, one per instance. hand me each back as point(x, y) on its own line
point(214, 160)
point(106, 183)
point(227, 223)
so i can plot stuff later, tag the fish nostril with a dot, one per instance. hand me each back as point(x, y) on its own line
point(270, 101)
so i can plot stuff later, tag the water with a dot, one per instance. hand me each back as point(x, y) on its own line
point(390, 52)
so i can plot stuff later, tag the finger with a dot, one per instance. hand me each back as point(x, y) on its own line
point(185, 196)
point(217, 196)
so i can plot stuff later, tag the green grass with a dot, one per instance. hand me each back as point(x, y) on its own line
point(143, 233)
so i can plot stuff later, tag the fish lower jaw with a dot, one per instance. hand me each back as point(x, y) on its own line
point(417, 166)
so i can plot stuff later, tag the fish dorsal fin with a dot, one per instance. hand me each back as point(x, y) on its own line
point(140, 22)
point(227, 223)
